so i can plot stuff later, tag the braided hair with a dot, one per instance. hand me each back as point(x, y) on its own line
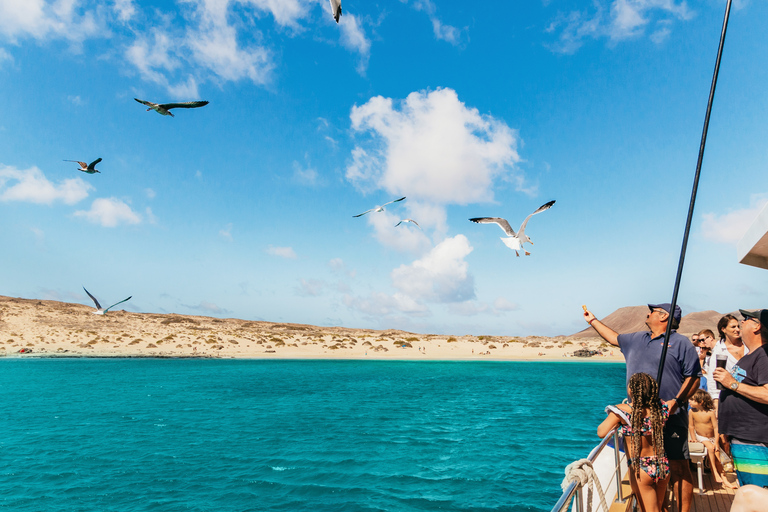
point(644, 395)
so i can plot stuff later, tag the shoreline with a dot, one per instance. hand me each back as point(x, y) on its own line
point(49, 329)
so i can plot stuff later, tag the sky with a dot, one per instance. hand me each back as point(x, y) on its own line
point(244, 208)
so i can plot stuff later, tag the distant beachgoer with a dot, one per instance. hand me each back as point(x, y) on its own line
point(744, 402)
point(730, 345)
point(702, 428)
point(680, 379)
point(641, 423)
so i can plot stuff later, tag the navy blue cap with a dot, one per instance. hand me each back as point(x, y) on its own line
point(666, 306)
point(761, 315)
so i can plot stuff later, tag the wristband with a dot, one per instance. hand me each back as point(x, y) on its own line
point(590, 322)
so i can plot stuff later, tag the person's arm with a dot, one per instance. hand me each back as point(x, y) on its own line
point(608, 424)
point(689, 388)
point(713, 419)
point(603, 330)
point(757, 393)
point(691, 430)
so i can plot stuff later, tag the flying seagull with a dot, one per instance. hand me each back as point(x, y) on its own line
point(336, 9)
point(514, 241)
point(379, 208)
point(408, 220)
point(89, 168)
point(99, 309)
point(165, 108)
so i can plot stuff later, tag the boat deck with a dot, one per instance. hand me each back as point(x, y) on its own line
point(716, 498)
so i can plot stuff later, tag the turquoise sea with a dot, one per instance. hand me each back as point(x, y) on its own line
point(247, 435)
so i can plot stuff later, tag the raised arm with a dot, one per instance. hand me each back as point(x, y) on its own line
point(608, 424)
point(603, 330)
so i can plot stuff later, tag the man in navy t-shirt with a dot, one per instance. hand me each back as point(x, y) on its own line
point(679, 381)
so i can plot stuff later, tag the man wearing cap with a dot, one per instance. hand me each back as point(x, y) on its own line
point(680, 380)
point(743, 414)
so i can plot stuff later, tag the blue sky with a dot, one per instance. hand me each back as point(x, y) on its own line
point(244, 208)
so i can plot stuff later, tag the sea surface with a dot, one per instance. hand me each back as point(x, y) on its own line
point(247, 435)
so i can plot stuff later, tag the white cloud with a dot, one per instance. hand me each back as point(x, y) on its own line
point(441, 276)
point(75, 100)
point(303, 176)
point(150, 193)
point(5, 56)
point(208, 307)
point(226, 233)
point(380, 305)
point(31, 185)
point(730, 227)
point(310, 287)
point(502, 304)
point(283, 252)
point(338, 266)
point(434, 147)
point(125, 9)
point(353, 38)
point(442, 31)
point(41, 19)
point(625, 19)
point(403, 238)
point(109, 213)
point(150, 215)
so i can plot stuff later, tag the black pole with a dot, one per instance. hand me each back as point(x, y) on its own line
point(693, 193)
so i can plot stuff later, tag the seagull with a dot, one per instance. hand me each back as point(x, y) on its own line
point(336, 9)
point(408, 220)
point(379, 208)
point(515, 241)
point(89, 168)
point(165, 108)
point(99, 309)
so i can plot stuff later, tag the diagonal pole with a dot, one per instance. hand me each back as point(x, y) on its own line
point(693, 193)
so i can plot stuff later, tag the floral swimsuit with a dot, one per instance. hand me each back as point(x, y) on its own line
point(655, 467)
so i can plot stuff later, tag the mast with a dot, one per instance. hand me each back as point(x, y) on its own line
point(693, 193)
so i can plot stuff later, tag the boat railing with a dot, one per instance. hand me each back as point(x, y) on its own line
point(574, 490)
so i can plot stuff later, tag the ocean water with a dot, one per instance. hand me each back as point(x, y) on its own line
point(249, 435)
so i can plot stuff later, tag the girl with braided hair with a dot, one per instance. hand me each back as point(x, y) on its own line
point(641, 423)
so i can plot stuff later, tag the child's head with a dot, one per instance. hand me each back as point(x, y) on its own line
point(702, 399)
point(643, 390)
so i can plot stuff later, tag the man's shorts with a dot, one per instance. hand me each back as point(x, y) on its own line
point(676, 437)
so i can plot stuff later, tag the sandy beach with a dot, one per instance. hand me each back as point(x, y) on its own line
point(43, 328)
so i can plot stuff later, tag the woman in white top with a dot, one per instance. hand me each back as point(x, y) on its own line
point(729, 345)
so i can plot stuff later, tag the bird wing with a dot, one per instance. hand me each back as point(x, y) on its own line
point(545, 206)
point(367, 211)
point(185, 104)
point(417, 224)
point(82, 164)
point(98, 306)
point(147, 103)
point(503, 224)
point(116, 303)
point(395, 201)
point(93, 164)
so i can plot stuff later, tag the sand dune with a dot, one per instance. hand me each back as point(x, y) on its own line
point(34, 328)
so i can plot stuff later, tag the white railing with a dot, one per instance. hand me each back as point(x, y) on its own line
point(575, 490)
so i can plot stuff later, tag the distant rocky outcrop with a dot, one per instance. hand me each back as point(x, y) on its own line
point(632, 319)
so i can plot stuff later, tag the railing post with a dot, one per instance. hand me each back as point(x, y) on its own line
point(617, 457)
point(579, 500)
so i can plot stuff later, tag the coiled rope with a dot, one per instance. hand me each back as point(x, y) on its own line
point(583, 474)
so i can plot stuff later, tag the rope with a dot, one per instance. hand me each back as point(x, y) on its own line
point(582, 473)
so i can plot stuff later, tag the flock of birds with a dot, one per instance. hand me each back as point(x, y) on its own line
point(513, 240)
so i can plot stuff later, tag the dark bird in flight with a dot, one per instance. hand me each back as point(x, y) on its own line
point(89, 168)
point(99, 309)
point(378, 208)
point(165, 108)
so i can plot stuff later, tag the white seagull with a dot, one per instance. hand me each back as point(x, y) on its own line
point(164, 108)
point(336, 9)
point(99, 309)
point(89, 168)
point(408, 220)
point(514, 241)
point(378, 208)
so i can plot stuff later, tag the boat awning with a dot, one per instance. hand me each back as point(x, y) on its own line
point(752, 249)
